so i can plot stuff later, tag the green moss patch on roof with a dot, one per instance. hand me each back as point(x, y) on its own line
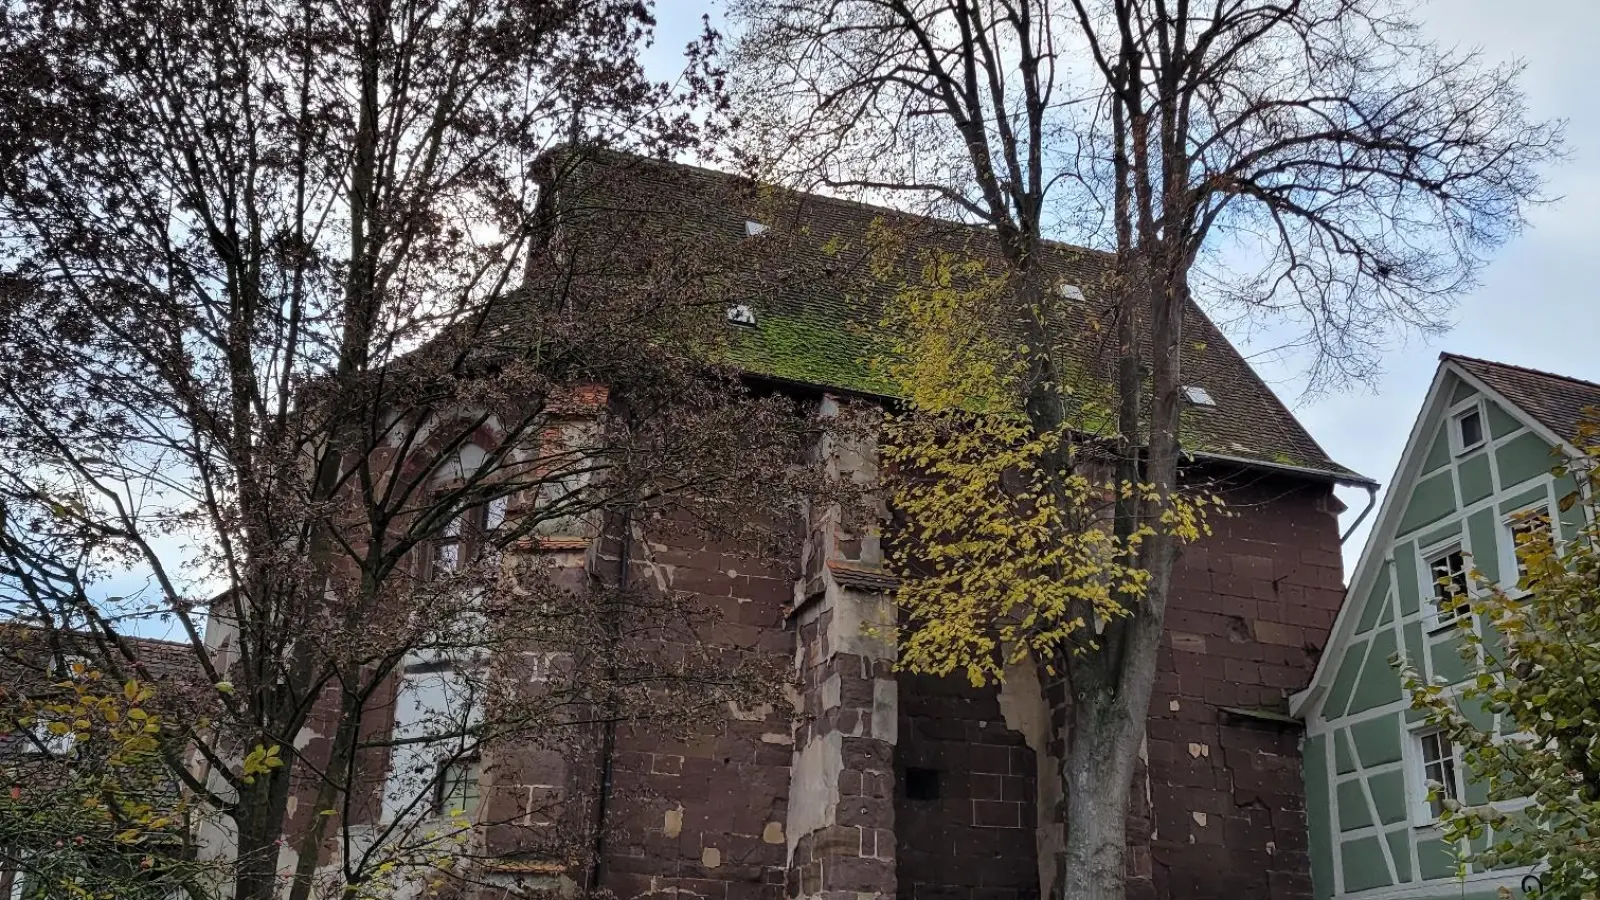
point(801, 346)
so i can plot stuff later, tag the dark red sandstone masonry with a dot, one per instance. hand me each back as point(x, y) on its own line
point(964, 798)
point(703, 816)
point(1224, 816)
point(1218, 806)
point(1250, 613)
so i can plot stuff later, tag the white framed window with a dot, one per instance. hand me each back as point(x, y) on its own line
point(457, 790)
point(464, 539)
point(448, 546)
point(1523, 526)
point(1468, 428)
point(1435, 762)
point(1446, 568)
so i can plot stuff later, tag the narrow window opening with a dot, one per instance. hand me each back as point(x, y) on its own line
point(1438, 765)
point(453, 548)
point(1469, 427)
point(1527, 528)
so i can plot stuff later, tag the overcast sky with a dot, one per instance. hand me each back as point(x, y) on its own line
point(1535, 306)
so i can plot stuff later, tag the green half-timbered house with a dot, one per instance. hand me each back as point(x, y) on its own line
point(1482, 450)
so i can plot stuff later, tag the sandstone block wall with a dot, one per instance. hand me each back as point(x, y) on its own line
point(1250, 613)
point(1219, 806)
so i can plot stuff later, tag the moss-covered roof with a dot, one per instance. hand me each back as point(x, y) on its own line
point(819, 310)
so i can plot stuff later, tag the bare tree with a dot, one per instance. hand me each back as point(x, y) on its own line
point(322, 317)
point(1366, 171)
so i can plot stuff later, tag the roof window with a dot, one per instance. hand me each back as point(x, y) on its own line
point(753, 228)
point(1198, 396)
point(742, 315)
point(1070, 292)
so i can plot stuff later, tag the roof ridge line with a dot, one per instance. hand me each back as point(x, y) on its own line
point(813, 195)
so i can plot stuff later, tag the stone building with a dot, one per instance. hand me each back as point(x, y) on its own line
point(879, 784)
point(928, 789)
point(1480, 454)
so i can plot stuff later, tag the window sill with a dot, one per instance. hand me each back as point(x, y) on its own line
point(554, 544)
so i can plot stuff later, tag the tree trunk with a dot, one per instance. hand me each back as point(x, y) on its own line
point(259, 820)
point(1097, 773)
point(329, 793)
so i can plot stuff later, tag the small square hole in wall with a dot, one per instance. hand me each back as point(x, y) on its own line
point(922, 784)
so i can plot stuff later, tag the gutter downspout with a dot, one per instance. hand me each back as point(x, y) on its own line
point(608, 742)
point(1372, 500)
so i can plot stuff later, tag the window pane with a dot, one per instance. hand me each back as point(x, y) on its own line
point(458, 788)
point(495, 515)
point(1438, 765)
point(1450, 585)
point(1534, 525)
point(559, 502)
point(446, 556)
point(1471, 428)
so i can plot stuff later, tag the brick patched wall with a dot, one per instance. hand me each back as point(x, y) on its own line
point(964, 796)
point(1219, 807)
point(702, 815)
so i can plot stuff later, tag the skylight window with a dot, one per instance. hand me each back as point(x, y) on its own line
point(753, 228)
point(1198, 396)
point(742, 315)
point(1070, 292)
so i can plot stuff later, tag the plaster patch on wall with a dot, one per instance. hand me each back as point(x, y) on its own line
point(672, 822)
point(754, 714)
point(886, 710)
point(831, 692)
point(1023, 707)
point(814, 787)
point(862, 621)
point(773, 833)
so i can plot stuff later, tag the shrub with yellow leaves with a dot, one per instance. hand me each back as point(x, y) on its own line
point(91, 811)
